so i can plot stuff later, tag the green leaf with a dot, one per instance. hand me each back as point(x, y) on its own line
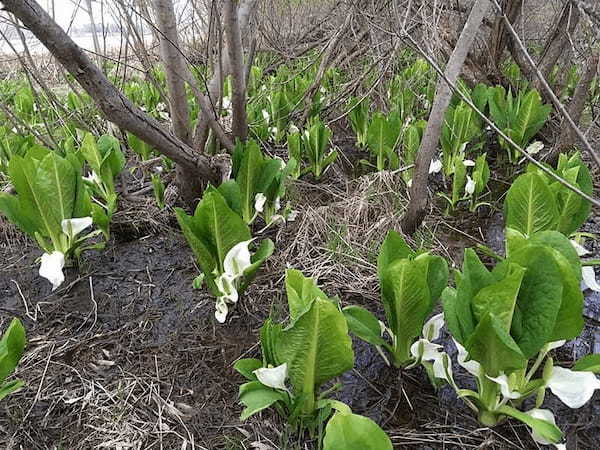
point(256, 397)
point(364, 325)
point(246, 367)
point(394, 247)
point(540, 296)
point(530, 205)
point(316, 348)
point(218, 226)
point(499, 299)
point(545, 429)
point(407, 303)
point(492, 346)
point(12, 346)
point(589, 363)
point(248, 178)
point(10, 387)
point(90, 151)
point(354, 432)
point(264, 251)
point(301, 291)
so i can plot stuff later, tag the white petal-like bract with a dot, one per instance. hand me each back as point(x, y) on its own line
point(535, 148)
point(580, 249)
point(502, 380)
point(442, 367)
point(470, 186)
point(237, 260)
point(273, 377)
point(51, 268)
point(259, 202)
point(435, 166)
point(472, 366)
point(425, 350)
point(72, 227)
point(589, 279)
point(432, 328)
point(468, 163)
point(221, 310)
point(573, 388)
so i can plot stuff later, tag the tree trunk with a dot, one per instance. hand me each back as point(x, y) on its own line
point(568, 137)
point(174, 68)
point(559, 41)
point(499, 37)
point(417, 205)
point(236, 58)
point(115, 106)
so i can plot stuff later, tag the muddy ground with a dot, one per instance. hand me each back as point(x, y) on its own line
point(126, 355)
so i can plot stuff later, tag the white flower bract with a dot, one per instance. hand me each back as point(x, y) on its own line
point(51, 268)
point(273, 377)
point(573, 388)
point(72, 227)
point(432, 328)
point(435, 166)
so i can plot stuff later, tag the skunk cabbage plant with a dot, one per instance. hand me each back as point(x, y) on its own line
point(411, 283)
point(52, 205)
point(221, 242)
point(507, 320)
point(12, 346)
point(297, 360)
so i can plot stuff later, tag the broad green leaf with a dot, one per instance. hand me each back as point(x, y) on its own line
point(10, 387)
point(437, 276)
point(545, 429)
point(540, 296)
point(394, 247)
point(354, 432)
point(589, 363)
point(407, 302)
point(561, 244)
point(301, 291)
point(56, 185)
point(256, 397)
point(364, 325)
point(218, 226)
point(90, 151)
point(499, 299)
point(12, 346)
point(316, 348)
point(530, 206)
point(246, 366)
point(248, 178)
point(492, 346)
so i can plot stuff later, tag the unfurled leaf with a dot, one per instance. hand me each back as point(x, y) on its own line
point(353, 432)
point(364, 325)
point(256, 397)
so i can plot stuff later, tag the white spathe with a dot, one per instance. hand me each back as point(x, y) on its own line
point(546, 415)
point(555, 344)
point(266, 115)
point(237, 260)
point(535, 148)
point(51, 268)
point(589, 279)
point(273, 377)
point(432, 328)
point(259, 202)
point(435, 166)
point(442, 368)
point(425, 350)
point(72, 227)
point(472, 366)
point(294, 129)
point(573, 388)
point(92, 178)
point(468, 163)
point(505, 389)
point(470, 186)
point(221, 310)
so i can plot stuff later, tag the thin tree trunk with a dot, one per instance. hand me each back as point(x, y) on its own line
point(97, 49)
point(568, 137)
point(417, 205)
point(174, 67)
point(499, 37)
point(236, 59)
point(559, 41)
